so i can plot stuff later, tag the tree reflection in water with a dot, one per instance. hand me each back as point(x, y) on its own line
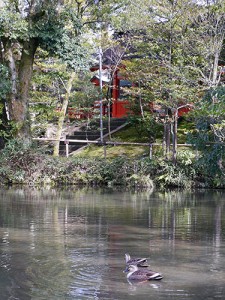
point(70, 244)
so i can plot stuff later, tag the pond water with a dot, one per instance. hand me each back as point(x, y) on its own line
point(70, 243)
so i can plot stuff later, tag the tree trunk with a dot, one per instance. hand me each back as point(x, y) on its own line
point(109, 120)
point(62, 114)
point(108, 98)
point(215, 70)
point(175, 138)
point(140, 101)
point(18, 100)
point(168, 127)
point(164, 139)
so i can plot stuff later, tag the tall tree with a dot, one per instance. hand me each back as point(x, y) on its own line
point(18, 41)
point(179, 49)
point(53, 25)
point(25, 26)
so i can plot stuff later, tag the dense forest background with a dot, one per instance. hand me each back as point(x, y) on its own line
point(173, 50)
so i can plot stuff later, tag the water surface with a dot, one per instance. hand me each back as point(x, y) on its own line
point(70, 244)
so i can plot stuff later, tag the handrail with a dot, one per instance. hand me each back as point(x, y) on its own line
point(104, 143)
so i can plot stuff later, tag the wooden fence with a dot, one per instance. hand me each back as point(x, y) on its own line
point(105, 143)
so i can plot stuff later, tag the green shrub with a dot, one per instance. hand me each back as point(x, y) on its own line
point(22, 164)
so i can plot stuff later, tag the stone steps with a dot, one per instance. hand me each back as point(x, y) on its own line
point(91, 133)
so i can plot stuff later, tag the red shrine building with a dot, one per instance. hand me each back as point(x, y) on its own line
point(112, 79)
point(120, 107)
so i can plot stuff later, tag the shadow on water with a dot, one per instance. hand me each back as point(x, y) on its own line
point(70, 244)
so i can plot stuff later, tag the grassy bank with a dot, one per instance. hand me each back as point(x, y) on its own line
point(135, 133)
point(124, 165)
point(26, 165)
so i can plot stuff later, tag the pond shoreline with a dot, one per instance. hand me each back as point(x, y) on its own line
point(30, 167)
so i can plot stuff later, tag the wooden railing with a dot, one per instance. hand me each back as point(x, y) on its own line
point(105, 143)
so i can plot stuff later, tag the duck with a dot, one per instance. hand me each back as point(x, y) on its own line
point(140, 262)
point(136, 274)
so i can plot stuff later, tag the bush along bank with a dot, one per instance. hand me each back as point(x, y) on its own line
point(26, 165)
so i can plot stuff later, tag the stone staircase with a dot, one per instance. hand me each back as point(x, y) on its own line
point(91, 133)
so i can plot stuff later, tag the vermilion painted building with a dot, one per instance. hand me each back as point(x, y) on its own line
point(111, 77)
point(120, 107)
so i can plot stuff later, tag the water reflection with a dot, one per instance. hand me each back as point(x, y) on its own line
point(70, 244)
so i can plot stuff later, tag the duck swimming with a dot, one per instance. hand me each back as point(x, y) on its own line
point(134, 273)
point(140, 262)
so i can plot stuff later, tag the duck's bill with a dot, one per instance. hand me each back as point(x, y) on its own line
point(126, 270)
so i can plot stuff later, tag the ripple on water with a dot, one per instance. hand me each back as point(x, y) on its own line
point(87, 274)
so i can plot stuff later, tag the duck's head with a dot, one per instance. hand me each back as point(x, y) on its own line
point(131, 269)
